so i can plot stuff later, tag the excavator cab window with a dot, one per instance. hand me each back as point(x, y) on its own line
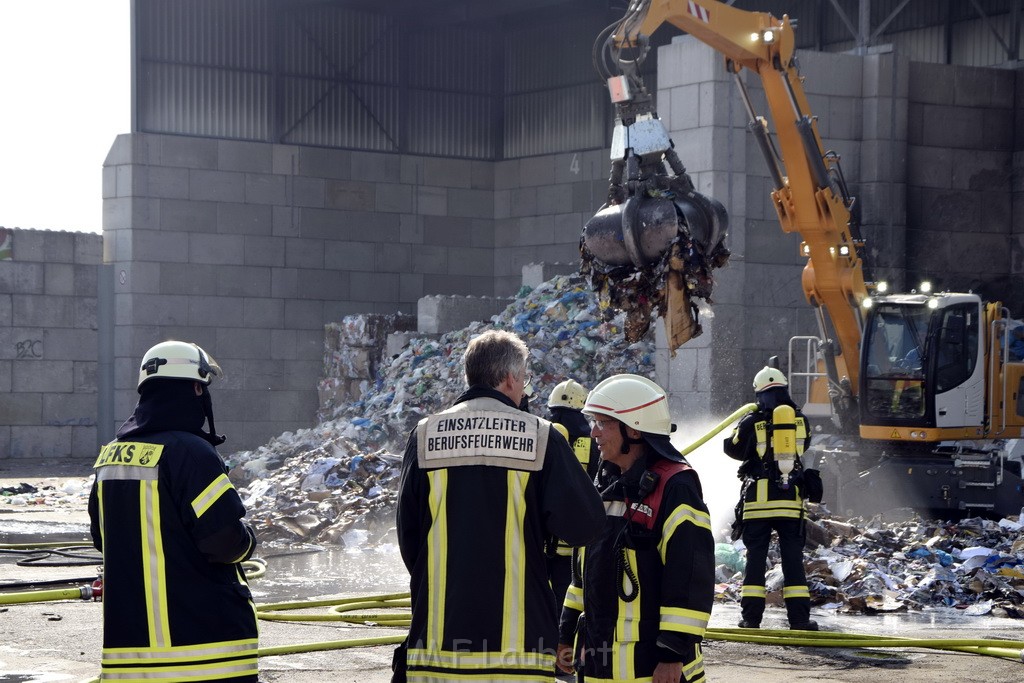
point(956, 346)
point(895, 352)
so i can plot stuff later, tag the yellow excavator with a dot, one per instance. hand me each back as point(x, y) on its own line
point(923, 393)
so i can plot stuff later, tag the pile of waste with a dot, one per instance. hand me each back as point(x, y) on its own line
point(70, 493)
point(313, 485)
point(874, 566)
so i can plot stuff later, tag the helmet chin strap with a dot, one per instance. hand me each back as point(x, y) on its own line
point(627, 442)
point(213, 437)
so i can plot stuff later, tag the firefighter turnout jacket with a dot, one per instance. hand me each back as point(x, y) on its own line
point(176, 606)
point(583, 446)
point(767, 505)
point(483, 485)
point(645, 587)
point(751, 443)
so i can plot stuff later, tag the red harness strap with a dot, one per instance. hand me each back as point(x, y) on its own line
point(645, 511)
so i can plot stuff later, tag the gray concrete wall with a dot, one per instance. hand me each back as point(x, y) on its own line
point(540, 206)
point(1017, 238)
point(48, 345)
point(249, 249)
point(960, 202)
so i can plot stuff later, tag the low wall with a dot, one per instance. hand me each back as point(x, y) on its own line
point(48, 343)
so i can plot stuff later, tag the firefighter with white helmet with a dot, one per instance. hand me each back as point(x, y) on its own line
point(169, 524)
point(769, 442)
point(620, 612)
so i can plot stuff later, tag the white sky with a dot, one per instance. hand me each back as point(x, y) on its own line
point(65, 94)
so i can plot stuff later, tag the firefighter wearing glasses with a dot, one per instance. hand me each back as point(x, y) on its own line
point(641, 593)
point(770, 441)
point(176, 605)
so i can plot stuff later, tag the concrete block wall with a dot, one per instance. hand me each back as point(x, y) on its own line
point(881, 175)
point(759, 300)
point(48, 345)
point(437, 314)
point(1016, 285)
point(540, 206)
point(249, 249)
point(962, 132)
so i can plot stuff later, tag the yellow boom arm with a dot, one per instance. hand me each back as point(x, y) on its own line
point(805, 195)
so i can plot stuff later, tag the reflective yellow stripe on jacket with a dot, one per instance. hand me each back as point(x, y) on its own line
point(763, 508)
point(209, 661)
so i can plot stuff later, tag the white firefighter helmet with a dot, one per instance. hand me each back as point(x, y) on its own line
point(635, 401)
point(767, 378)
point(568, 394)
point(178, 360)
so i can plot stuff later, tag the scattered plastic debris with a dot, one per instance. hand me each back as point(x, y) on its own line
point(71, 493)
point(874, 566)
point(315, 484)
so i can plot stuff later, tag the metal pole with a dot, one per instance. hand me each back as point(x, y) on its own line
point(864, 27)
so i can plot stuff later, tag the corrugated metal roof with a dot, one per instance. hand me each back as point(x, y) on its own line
point(450, 77)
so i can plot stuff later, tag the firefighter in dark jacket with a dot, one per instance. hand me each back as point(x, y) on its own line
point(176, 605)
point(770, 441)
point(483, 485)
point(641, 593)
point(565, 404)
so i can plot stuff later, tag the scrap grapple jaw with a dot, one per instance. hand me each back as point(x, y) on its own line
point(653, 245)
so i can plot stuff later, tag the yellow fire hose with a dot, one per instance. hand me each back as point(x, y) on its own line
point(80, 593)
point(339, 609)
point(1007, 649)
point(737, 414)
point(253, 569)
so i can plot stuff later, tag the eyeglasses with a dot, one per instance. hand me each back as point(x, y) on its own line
point(601, 423)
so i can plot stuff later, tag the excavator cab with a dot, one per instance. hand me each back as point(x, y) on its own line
point(924, 368)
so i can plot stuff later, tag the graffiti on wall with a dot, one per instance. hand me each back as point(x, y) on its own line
point(28, 349)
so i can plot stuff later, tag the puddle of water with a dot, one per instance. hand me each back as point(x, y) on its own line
point(330, 571)
point(929, 623)
point(13, 531)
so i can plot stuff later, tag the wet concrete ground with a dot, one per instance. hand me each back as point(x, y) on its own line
point(60, 641)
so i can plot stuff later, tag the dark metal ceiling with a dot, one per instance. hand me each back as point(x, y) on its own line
point(461, 12)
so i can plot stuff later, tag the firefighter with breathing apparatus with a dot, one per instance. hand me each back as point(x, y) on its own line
point(769, 442)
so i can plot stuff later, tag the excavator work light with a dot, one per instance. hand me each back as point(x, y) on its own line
point(933, 303)
point(926, 287)
point(769, 37)
point(844, 250)
point(867, 303)
point(754, 37)
point(883, 287)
